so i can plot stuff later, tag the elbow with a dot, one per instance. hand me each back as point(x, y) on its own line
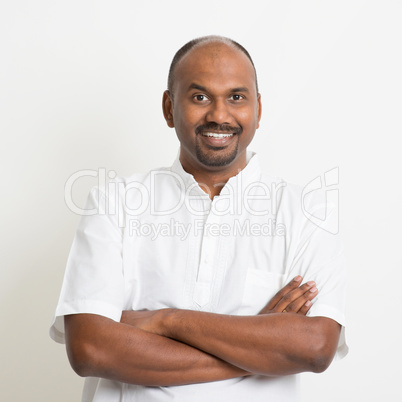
point(323, 342)
point(320, 362)
point(82, 358)
point(321, 354)
point(83, 349)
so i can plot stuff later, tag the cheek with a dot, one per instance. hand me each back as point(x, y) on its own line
point(247, 118)
point(189, 119)
point(185, 129)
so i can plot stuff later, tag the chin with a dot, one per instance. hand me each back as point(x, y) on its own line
point(217, 159)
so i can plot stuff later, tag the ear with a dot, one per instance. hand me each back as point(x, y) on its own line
point(259, 110)
point(167, 107)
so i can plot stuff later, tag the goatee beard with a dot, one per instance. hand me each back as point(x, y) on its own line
point(217, 156)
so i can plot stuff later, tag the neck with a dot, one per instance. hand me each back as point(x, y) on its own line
point(212, 184)
point(212, 179)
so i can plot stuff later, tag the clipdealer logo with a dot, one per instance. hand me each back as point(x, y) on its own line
point(115, 198)
point(135, 198)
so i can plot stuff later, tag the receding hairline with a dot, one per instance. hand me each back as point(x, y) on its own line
point(202, 41)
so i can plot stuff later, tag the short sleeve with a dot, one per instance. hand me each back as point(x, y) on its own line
point(93, 281)
point(320, 257)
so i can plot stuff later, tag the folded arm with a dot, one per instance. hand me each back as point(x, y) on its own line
point(270, 343)
point(274, 344)
point(100, 347)
point(141, 349)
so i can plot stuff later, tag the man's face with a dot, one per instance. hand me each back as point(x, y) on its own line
point(215, 108)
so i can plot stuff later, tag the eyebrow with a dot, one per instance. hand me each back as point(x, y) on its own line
point(196, 86)
point(240, 89)
point(201, 88)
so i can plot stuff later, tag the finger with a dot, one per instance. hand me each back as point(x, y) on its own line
point(305, 308)
point(293, 300)
point(293, 284)
point(297, 304)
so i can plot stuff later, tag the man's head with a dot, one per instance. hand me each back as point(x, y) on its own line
point(213, 103)
point(197, 42)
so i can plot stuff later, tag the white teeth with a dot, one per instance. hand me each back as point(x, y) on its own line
point(216, 135)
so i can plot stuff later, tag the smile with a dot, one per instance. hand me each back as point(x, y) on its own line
point(217, 135)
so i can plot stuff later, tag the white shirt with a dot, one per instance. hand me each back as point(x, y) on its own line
point(156, 240)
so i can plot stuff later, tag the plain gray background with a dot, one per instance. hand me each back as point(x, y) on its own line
point(80, 88)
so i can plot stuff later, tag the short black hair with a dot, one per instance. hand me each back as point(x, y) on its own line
point(204, 39)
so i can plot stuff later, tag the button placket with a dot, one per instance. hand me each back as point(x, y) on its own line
point(208, 257)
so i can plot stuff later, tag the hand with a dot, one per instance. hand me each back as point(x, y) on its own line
point(292, 298)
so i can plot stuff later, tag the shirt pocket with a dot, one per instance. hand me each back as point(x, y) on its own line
point(260, 286)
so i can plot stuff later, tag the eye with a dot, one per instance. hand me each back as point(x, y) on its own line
point(200, 98)
point(237, 97)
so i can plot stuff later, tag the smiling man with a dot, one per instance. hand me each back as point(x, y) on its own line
point(224, 312)
point(214, 107)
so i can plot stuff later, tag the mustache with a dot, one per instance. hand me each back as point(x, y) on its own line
point(223, 128)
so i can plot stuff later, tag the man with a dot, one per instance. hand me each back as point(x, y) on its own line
point(190, 285)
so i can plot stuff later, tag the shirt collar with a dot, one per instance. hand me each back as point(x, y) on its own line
point(251, 173)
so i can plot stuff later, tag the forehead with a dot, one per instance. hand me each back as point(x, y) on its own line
point(215, 66)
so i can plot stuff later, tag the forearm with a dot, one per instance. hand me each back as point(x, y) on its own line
point(274, 344)
point(100, 347)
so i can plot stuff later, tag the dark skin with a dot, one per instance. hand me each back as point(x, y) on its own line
point(131, 351)
point(220, 91)
point(172, 346)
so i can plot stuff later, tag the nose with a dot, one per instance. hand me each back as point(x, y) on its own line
point(218, 112)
